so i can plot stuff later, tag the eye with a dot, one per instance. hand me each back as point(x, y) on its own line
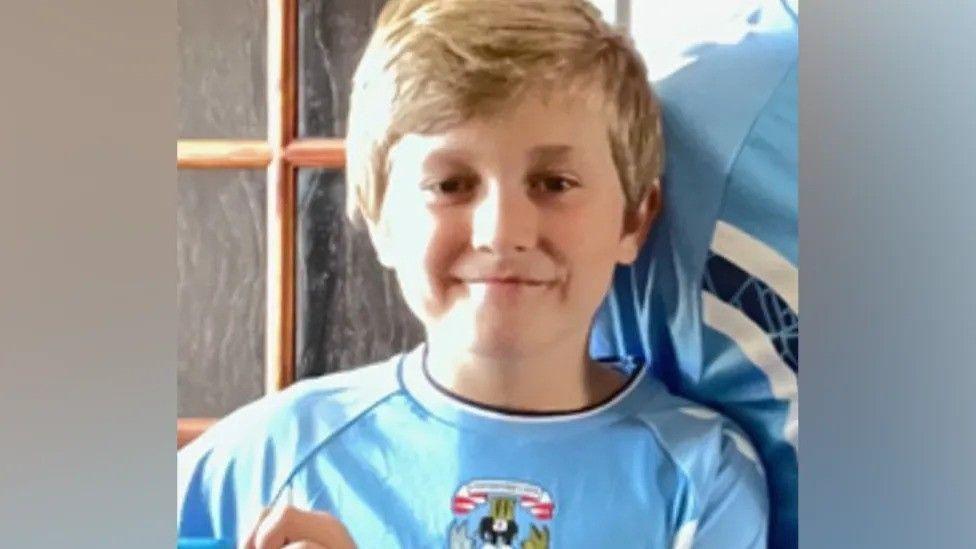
point(553, 184)
point(449, 186)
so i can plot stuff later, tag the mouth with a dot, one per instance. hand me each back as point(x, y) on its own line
point(506, 281)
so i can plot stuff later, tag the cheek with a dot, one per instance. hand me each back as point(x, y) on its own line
point(591, 248)
point(427, 250)
point(439, 255)
point(588, 235)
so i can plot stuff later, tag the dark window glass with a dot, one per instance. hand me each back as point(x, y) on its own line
point(349, 309)
point(222, 69)
point(332, 35)
point(220, 255)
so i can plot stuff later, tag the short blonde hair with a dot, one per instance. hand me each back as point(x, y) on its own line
point(433, 64)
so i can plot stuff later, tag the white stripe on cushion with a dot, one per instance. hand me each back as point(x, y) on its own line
point(755, 344)
point(759, 260)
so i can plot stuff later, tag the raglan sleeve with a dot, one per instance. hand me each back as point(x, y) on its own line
point(226, 475)
point(735, 512)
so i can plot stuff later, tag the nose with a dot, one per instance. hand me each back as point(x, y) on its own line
point(504, 220)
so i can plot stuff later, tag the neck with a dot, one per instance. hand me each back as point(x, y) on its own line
point(556, 377)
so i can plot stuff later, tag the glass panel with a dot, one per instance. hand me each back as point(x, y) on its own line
point(331, 37)
point(220, 254)
point(222, 68)
point(349, 311)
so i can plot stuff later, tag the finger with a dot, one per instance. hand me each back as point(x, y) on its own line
point(304, 545)
point(288, 524)
point(248, 542)
point(273, 531)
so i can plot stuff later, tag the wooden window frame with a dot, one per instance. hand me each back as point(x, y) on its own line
point(280, 155)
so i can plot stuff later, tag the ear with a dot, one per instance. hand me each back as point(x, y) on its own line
point(637, 224)
point(379, 235)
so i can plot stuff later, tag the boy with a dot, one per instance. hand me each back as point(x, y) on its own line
point(505, 156)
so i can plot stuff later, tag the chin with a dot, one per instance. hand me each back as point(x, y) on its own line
point(485, 329)
point(498, 349)
point(509, 340)
point(486, 339)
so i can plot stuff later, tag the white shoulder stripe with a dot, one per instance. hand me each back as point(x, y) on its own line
point(759, 260)
point(757, 347)
point(684, 538)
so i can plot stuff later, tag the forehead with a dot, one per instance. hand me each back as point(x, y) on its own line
point(535, 128)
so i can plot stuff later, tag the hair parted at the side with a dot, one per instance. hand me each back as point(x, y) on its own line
point(433, 64)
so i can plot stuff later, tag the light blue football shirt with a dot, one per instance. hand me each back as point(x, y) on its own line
point(404, 464)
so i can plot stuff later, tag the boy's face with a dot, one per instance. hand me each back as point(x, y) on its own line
point(504, 231)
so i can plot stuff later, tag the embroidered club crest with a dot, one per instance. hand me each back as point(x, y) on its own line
point(493, 514)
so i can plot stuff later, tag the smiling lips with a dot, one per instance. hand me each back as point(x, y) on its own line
point(533, 269)
point(507, 281)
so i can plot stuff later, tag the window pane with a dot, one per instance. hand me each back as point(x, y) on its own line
point(349, 309)
point(331, 37)
point(220, 254)
point(222, 68)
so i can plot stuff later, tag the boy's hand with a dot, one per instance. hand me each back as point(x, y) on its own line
point(292, 528)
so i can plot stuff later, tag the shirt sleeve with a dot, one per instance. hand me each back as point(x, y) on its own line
point(736, 510)
point(225, 475)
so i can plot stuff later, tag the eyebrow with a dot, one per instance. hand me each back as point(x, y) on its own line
point(543, 154)
point(540, 154)
point(455, 158)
